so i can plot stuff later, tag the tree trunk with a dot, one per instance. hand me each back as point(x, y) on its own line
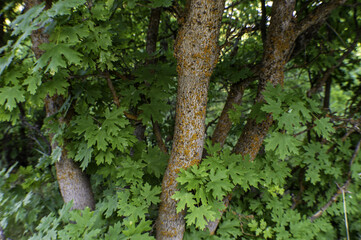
point(224, 123)
point(197, 53)
point(73, 183)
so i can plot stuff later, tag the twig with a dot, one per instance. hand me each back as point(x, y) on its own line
point(329, 203)
point(112, 89)
point(158, 137)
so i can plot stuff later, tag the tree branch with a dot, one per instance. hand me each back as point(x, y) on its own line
point(317, 15)
point(112, 89)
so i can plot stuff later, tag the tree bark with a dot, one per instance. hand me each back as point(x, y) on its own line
point(151, 47)
point(276, 50)
point(224, 123)
point(197, 53)
point(73, 183)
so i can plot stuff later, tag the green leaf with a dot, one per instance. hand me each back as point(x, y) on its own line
point(229, 228)
point(10, 96)
point(151, 194)
point(55, 56)
point(56, 154)
point(23, 21)
point(273, 107)
point(133, 229)
point(219, 184)
point(324, 128)
point(184, 199)
point(63, 7)
point(58, 85)
point(200, 215)
point(111, 205)
point(156, 161)
point(99, 139)
point(104, 157)
point(84, 155)
point(193, 179)
point(114, 231)
point(5, 61)
point(33, 82)
point(283, 144)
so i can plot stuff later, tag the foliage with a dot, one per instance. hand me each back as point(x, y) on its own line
point(307, 156)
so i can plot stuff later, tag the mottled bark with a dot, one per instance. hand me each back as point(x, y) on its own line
point(73, 183)
point(279, 41)
point(197, 53)
point(152, 33)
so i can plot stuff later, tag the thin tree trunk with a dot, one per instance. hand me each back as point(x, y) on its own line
point(73, 183)
point(151, 47)
point(197, 53)
point(224, 123)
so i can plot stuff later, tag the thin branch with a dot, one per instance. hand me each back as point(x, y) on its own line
point(336, 33)
point(330, 202)
point(158, 137)
point(112, 89)
point(317, 15)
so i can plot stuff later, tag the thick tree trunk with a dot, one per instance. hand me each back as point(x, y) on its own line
point(197, 52)
point(73, 183)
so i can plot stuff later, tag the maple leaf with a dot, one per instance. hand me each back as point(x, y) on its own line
point(33, 82)
point(151, 195)
point(219, 184)
point(229, 228)
point(106, 157)
point(111, 206)
point(273, 107)
point(99, 139)
point(63, 7)
point(200, 215)
point(156, 161)
point(193, 179)
point(114, 231)
point(324, 127)
point(10, 96)
point(300, 108)
point(55, 56)
point(84, 155)
point(184, 199)
point(136, 230)
point(282, 144)
point(289, 121)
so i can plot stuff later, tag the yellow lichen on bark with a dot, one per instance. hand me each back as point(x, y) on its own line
point(196, 50)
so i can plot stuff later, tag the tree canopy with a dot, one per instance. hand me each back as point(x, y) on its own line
point(175, 119)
